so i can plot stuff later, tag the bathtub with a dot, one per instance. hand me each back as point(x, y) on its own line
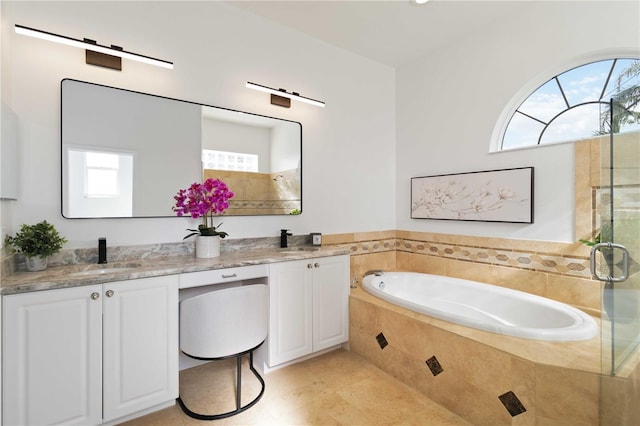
point(483, 306)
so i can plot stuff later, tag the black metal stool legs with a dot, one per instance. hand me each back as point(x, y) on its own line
point(239, 407)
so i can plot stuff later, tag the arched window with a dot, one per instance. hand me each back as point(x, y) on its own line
point(574, 105)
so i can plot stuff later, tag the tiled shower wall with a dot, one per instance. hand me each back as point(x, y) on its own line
point(261, 193)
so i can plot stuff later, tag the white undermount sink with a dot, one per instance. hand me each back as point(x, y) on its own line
point(105, 269)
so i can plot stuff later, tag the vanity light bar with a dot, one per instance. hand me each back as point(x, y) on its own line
point(92, 46)
point(283, 94)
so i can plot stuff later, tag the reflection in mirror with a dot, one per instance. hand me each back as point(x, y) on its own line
point(125, 154)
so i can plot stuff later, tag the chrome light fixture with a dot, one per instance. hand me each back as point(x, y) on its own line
point(103, 56)
point(283, 98)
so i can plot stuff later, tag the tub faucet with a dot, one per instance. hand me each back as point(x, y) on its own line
point(284, 233)
point(354, 282)
point(376, 272)
point(102, 250)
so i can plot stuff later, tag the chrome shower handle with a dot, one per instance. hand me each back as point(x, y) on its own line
point(625, 262)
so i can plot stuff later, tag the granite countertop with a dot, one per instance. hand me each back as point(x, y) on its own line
point(80, 274)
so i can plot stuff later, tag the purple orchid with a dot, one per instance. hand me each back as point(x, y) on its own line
point(204, 200)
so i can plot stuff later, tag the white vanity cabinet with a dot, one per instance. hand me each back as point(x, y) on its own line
point(309, 310)
point(89, 354)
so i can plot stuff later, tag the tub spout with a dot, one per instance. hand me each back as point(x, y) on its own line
point(376, 272)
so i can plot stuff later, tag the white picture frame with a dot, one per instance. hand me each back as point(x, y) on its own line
point(488, 196)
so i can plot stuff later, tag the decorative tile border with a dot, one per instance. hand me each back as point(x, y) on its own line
point(541, 262)
point(574, 266)
point(368, 247)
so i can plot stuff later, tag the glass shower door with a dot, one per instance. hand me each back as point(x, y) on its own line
point(615, 261)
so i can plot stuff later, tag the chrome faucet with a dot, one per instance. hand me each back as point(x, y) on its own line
point(354, 282)
point(284, 233)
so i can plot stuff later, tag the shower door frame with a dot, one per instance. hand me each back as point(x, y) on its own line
point(618, 270)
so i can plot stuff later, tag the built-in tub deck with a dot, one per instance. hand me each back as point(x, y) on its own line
point(582, 355)
point(484, 377)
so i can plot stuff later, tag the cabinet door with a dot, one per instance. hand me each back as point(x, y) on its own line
point(140, 344)
point(52, 356)
point(290, 312)
point(330, 301)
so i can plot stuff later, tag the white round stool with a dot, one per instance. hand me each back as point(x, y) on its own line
point(222, 324)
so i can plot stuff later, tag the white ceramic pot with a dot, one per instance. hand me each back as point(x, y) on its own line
point(207, 246)
point(36, 263)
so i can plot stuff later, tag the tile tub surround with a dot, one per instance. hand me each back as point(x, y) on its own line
point(561, 382)
point(555, 383)
point(558, 271)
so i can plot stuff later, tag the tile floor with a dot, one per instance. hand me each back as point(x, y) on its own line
point(337, 388)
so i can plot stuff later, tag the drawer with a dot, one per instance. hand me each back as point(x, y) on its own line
point(219, 276)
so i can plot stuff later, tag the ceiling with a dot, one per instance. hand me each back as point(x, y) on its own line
point(392, 32)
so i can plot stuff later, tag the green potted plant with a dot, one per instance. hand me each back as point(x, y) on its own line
point(36, 242)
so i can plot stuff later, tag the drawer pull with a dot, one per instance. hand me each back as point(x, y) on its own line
point(229, 276)
point(95, 295)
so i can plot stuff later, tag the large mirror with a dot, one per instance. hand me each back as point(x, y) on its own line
point(126, 154)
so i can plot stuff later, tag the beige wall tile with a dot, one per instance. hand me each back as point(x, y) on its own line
point(407, 335)
point(517, 279)
point(367, 262)
point(481, 366)
point(617, 401)
point(566, 396)
point(575, 291)
point(469, 402)
point(426, 264)
point(374, 235)
point(523, 380)
point(331, 239)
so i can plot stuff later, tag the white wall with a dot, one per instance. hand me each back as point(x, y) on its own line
point(449, 102)
point(348, 147)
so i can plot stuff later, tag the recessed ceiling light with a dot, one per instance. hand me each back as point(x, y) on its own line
point(419, 1)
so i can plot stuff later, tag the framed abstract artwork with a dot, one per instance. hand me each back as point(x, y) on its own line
point(489, 196)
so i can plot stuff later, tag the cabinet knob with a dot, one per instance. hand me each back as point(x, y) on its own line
point(309, 266)
point(316, 265)
point(109, 293)
point(95, 295)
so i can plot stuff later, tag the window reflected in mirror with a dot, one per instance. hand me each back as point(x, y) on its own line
point(99, 182)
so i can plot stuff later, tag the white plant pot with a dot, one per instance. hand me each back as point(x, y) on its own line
point(207, 246)
point(36, 263)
